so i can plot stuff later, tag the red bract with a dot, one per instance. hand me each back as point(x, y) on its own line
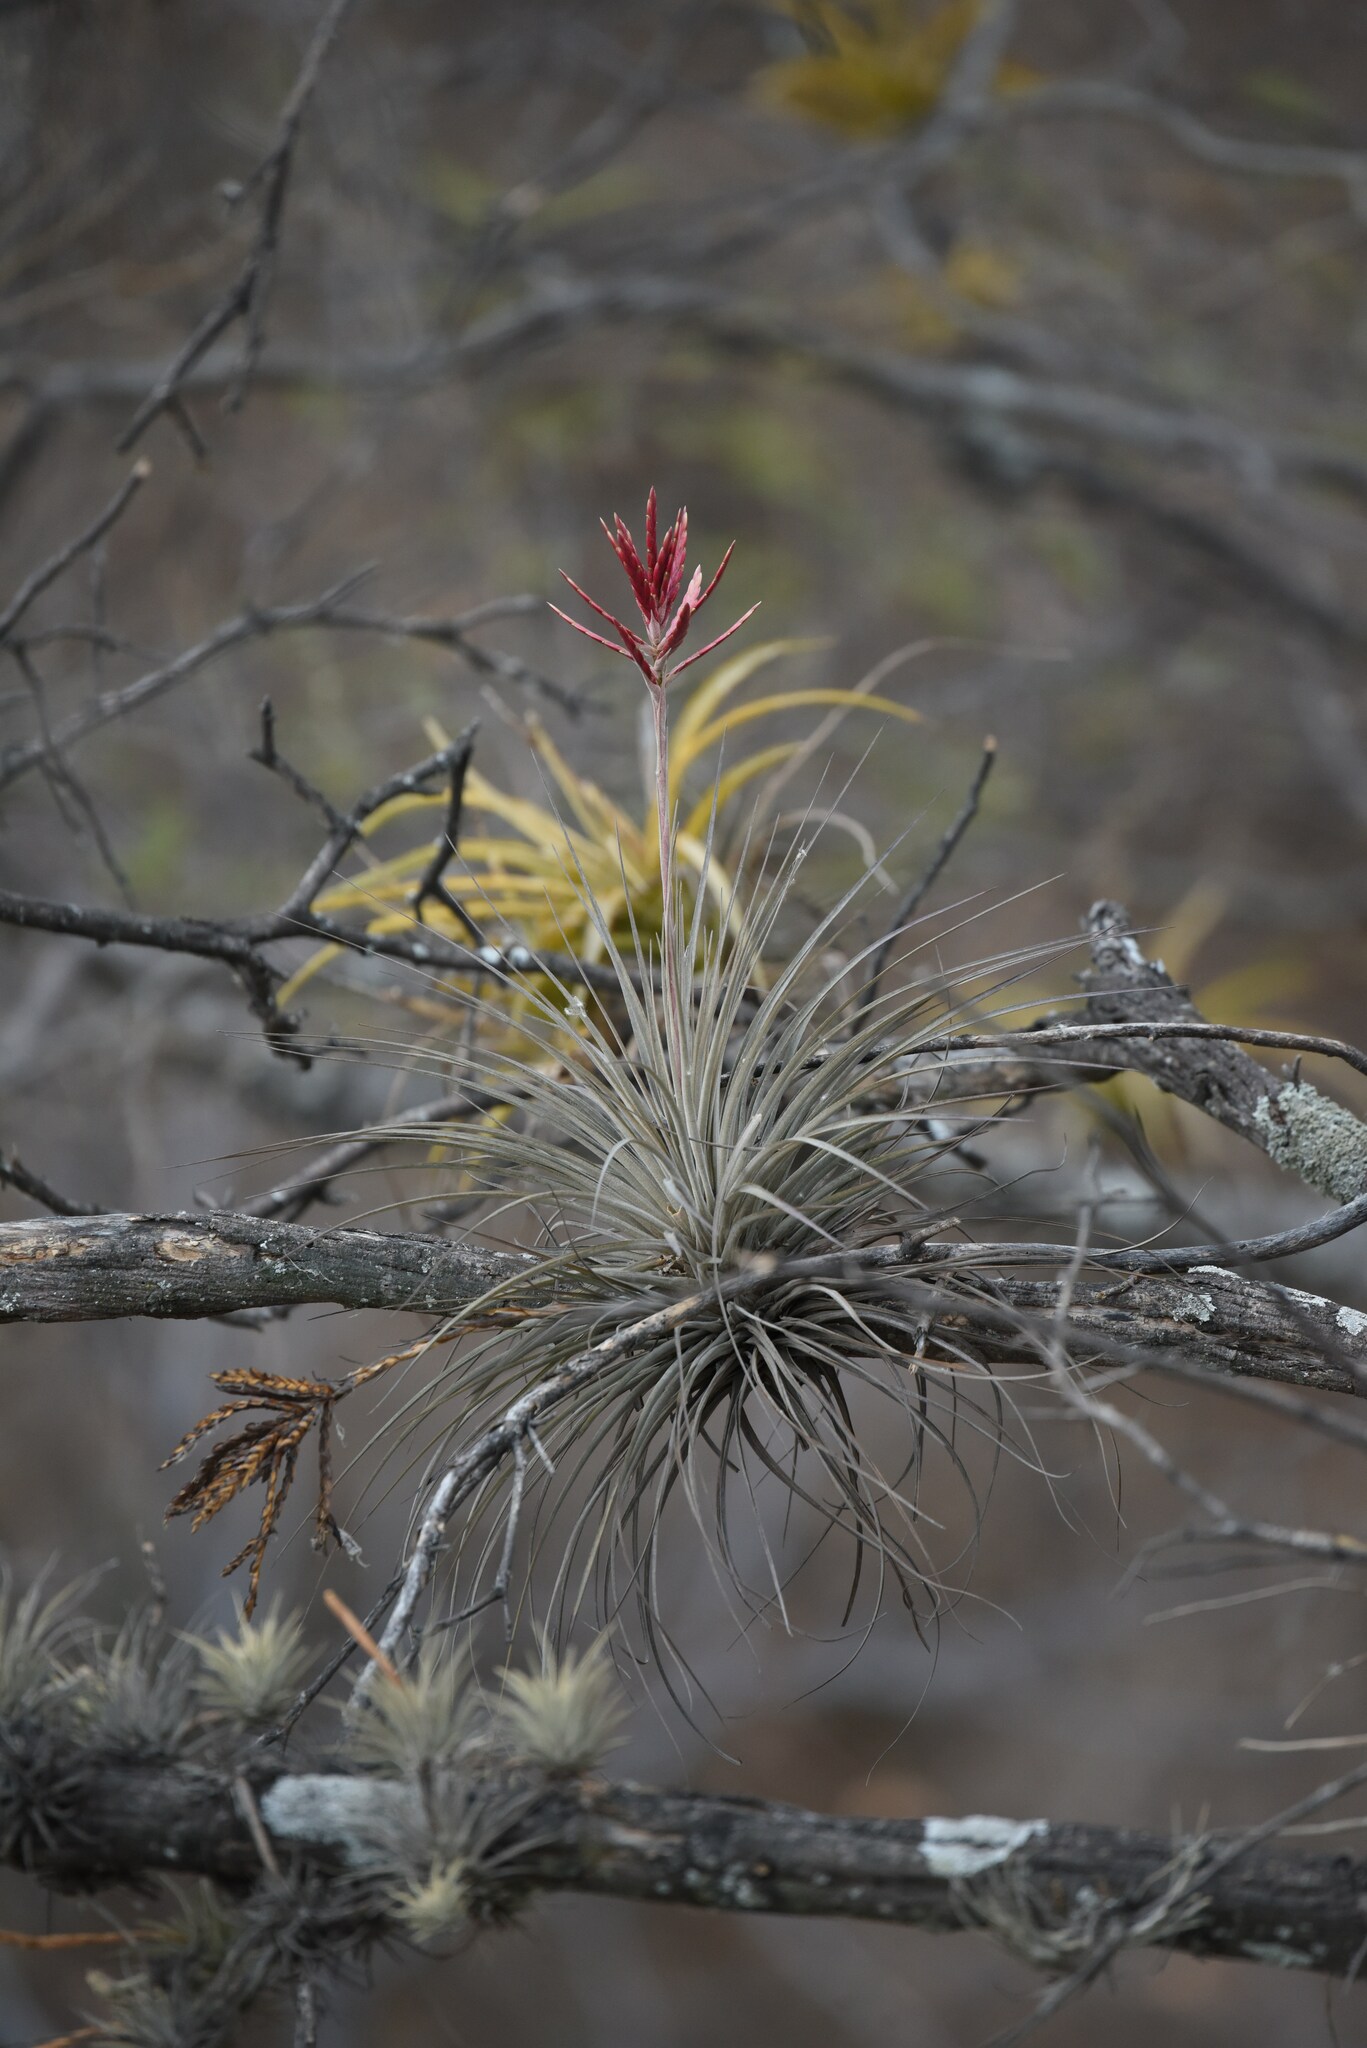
point(655, 584)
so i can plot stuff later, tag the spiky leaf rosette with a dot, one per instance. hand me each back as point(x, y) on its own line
point(725, 1160)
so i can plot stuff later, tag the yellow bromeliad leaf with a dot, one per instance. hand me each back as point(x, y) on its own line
point(726, 786)
point(705, 699)
point(527, 873)
point(883, 65)
point(786, 700)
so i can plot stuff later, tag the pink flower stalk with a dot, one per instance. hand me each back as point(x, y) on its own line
point(655, 585)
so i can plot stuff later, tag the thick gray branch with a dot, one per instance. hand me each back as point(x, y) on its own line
point(58, 1269)
point(1301, 1129)
point(746, 1856)
point(91, 1268)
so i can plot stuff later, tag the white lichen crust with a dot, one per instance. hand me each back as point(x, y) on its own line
point(1325, 1144)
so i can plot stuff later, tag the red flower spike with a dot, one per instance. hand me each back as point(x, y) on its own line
point(721, 571)
point(624, 548)
point(655, 585)
point(713, 643)
point(677, 558)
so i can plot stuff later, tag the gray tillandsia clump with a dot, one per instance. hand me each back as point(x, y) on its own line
point(186, 1981)
point(250, 1675)
point(445, 1861)
point(133, 1692)
point(432, 1716)
point(712, 1179)
point(439, 1855)
point(39, 1632)
point(567, 1715)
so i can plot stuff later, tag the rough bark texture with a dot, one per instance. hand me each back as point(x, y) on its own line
point(747, 1856)
point(1317, 1139)
point(90, 1268)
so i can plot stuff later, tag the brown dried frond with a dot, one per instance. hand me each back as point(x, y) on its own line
point(266, 1451)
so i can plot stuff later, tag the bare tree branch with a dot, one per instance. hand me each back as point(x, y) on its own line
point(48, 572)
point(920, 889)
point(746, 1856)
point(247, 297)
point(186, 1265)
point(328, 610)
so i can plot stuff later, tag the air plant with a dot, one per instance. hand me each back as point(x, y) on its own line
point(430, 1718)
point(441, 1864)
point(567, 1715)
point(38, 1630)
point(745, 1186)
point(251, 1674)
point(133, 1696)
point(723, 1160)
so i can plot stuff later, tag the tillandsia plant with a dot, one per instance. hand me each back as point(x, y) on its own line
point(656, 582)
point(714, 1321)
point(717, 1165)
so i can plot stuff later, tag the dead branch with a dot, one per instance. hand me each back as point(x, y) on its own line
point(736, 1855)
point(247, 297)
point(188, 1266)
point(97, 1267)
point(328, 610)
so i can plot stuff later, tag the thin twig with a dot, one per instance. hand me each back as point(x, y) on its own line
point(48, 572)
point(431, 887)
point(944, 853)
point(14, 1174)
point(247, 296)
point(261, 622)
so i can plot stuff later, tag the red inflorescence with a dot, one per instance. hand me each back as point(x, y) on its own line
point(655, 584)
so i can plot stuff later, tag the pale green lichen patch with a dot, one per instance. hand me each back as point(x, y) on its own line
point(1325, 1144)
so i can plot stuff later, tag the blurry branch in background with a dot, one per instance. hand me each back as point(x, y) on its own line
point(247, 298)
point(329, 611)
point(1097, 99)
point(1049, 417)
point(14, 1174)
point(986, 410)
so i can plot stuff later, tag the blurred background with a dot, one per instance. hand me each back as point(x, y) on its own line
point(1042, 360)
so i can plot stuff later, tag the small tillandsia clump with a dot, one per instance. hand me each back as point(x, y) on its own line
point(431, 1718)
point(38, 1632)
point(132, 1695)
point(446, 1862)
point(441, 1854)
point(565, 1717)
point(250, 1675)
point(187, 1980)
